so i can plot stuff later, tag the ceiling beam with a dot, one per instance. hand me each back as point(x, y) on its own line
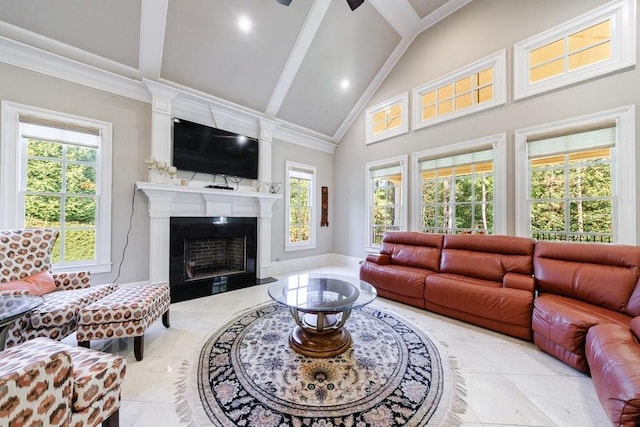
point(153, 23)
point(400, 15)
point(300, 48)
point(442, 12)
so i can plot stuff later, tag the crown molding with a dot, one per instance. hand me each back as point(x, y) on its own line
point(186, 101)
point(28, 57)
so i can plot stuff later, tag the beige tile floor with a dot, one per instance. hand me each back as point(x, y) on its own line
point(508, 382)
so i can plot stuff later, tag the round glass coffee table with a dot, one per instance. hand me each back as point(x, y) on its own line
point(321, 304)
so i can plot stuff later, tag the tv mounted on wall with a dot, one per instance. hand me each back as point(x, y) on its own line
point(200, 148)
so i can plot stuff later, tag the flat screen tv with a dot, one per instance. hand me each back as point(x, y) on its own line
point(200, 148)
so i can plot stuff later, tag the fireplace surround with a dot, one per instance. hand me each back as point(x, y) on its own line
point(209, 255)
point(166, 201)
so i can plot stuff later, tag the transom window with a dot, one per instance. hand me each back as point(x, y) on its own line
point(573, 51)
point(60, 166)
point(300, 195)
point(387, 119)
point(574, 175)
point(386, 189)
point(594, 44)
point(463, 93)
point(473, 88)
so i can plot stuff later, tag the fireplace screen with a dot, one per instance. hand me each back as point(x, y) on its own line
point(213, 257)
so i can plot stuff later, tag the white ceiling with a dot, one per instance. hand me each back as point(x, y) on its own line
point(288, 67)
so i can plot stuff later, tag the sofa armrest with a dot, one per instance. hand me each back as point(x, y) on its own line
point(33, 375)
point(635, 327)
point(72, 280)
point(518, 281)
point(380, 259)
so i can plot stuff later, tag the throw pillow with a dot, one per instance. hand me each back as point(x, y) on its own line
point(36, 284)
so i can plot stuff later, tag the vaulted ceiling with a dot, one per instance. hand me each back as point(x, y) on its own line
point(311, 65)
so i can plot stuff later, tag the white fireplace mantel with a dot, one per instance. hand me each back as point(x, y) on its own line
point(166, 201)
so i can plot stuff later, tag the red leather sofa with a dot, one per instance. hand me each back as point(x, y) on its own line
point(613, 354)
point(578, 302)
point(405, 260)
point(481, 279)
point(581, 285)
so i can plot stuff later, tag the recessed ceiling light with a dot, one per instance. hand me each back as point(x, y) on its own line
point(245, 24)
point(344, 84)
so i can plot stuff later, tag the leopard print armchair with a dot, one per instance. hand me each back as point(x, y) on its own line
point(25, 252)
point(48, 383)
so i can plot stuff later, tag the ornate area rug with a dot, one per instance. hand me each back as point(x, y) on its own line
point(247, 375)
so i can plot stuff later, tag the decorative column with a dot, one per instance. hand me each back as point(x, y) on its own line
point(161, 117)
point(160, 207)
point(264, 220)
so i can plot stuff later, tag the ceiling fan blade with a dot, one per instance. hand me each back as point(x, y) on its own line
point(353, 4)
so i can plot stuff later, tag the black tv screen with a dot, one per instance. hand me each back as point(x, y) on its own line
point(200, 148)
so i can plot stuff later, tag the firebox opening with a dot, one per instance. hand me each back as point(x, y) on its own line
point(209, 255)
point(214, 257)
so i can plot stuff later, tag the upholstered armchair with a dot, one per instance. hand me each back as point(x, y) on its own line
point(25, 266)
point(48, 383)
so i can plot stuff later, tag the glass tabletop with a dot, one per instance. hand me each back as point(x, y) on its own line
point(12, 306)
point(322, 292)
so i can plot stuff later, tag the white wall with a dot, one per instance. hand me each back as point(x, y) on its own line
point(475, 31)
point(282, 151)
point(131, 142)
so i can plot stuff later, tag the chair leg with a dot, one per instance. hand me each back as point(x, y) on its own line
point(138, 347)
point(165, 319)
point(85, 344)
point(113, 420)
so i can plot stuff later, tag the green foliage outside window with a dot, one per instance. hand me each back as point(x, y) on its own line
point(299, 210)
point(572, 199)
point(385, 211)
point(454, 202)
point(61, 193)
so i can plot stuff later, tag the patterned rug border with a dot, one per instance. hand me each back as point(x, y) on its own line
point(186, 387)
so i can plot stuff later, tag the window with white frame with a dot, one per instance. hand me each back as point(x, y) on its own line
point(387, 119)
point(594, 44)
point(579, 179)
point(386, 194)
point(475, 87)
point(301, 211)
point(60, 168)
point(461, 187)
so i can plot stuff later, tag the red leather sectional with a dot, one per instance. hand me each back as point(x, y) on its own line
point(578, 302)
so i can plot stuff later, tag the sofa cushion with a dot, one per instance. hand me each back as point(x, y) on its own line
point(413, 249)
point(36, 284)
point(613, 354)
point(408, 281)
point(25, 252)
point(481, 298)
point(599, 274)
point(560, 326)
point(486, 257)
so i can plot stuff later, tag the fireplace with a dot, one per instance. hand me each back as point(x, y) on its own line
point(209, 255)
